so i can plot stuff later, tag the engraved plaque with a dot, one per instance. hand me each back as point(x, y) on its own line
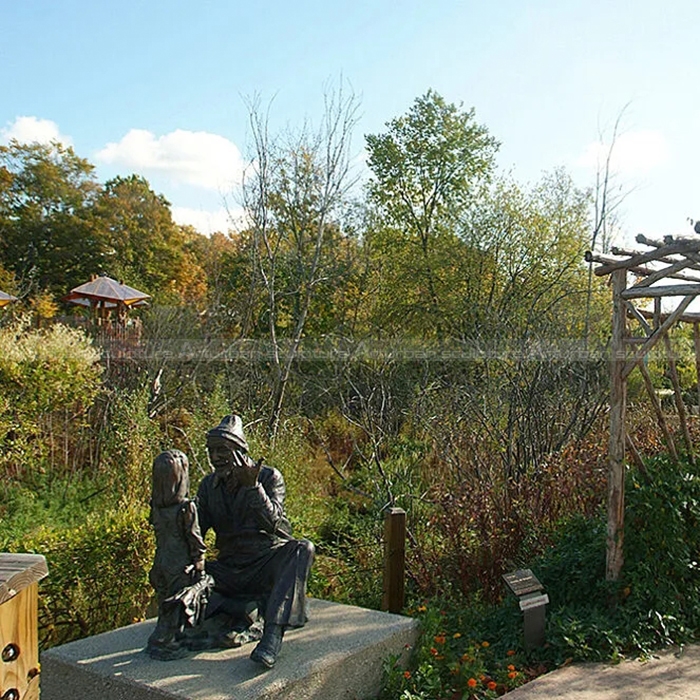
point(522, 582)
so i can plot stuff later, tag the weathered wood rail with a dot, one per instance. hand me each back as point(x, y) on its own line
point(19, 645)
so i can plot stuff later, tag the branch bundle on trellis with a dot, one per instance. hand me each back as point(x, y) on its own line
point(676, 259)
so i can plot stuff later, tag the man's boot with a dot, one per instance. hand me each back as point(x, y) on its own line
point(269, 646)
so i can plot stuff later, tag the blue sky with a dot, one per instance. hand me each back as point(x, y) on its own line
point(158, 86)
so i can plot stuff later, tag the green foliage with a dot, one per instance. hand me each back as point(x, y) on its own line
point(427, 164)
point(412, 331)
point(657, 600)
point(131, 441)
point(50, 501)
point(427, 169)
point(663, 518)
point(49, 379)
point(655, 604)
point(47, 235)
point(98, 573)
point(465, 649)
point(144, 246)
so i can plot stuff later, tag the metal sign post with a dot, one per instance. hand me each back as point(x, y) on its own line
point(529, 591)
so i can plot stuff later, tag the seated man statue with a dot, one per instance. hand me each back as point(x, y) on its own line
point(259, 562)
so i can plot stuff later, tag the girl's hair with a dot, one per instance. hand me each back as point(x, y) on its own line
point(171, 481)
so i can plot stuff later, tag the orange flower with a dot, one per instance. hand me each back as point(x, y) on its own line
point(433, 651)
point(511, 667)
point(482, 677)
point(472, 682)
point(440, 639)
point(512, 674)
point(510, 652)
point(456, 635)
point(486, 645)
point(466, 657)
point(406, 674)
point(421, 608)
point(491, 685)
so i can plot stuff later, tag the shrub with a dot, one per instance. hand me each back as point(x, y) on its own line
point(656, 602)
point(98, 573)
point(49, 379)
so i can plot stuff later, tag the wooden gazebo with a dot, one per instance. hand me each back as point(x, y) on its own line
point(668, 269)
point(104, 294)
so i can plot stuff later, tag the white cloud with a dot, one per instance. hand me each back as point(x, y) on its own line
point(32, 130)
point(208, 222)
point(634, 153)
point(195, 158)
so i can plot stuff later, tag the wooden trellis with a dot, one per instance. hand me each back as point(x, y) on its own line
point(672, 258)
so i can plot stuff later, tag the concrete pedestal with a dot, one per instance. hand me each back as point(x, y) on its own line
point(337, 656)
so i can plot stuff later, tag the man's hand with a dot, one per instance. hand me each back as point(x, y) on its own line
point(246, 469)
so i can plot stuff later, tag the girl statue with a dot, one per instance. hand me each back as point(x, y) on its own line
point(177, 575)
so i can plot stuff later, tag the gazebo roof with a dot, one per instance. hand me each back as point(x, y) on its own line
point(6, 299)
point(106, 290)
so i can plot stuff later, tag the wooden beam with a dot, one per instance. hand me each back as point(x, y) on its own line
point(659, 411)
point(678, 398)
point(692, 243)
point(686, 318)
point(656, 336)
point(696, 342)
point(636, 457)
point(670, 271)
point(633, 311)
point(690, 254)
point(642, 270)
point(656, 254)
point(618, 399)
point(667, 290)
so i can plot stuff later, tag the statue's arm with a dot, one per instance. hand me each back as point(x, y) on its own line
point(266, 499)
point(203, 513)
point(193, 536)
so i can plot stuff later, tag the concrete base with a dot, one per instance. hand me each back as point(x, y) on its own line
point(337, 656)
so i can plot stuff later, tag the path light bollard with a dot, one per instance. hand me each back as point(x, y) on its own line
point(19, 637)
point(529, 592)
point(394, 560)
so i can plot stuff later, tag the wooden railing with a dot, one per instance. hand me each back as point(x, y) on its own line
point(19, 667)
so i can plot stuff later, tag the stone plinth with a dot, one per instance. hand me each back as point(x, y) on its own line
point(338, 655)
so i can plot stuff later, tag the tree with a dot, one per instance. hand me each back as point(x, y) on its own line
point(427, 169)
point(144, 246)
point(47, 236)
point(292, 195)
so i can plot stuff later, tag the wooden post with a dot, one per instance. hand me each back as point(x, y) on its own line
point(618, 400)
point(19, 646)
point(678, 398)
point(660, 417)
point(696, 342)
point(394, 560)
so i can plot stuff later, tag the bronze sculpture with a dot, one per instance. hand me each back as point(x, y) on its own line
point(177, 574)
point(260, 564)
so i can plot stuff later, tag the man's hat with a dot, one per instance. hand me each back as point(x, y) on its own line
point(231, 429)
